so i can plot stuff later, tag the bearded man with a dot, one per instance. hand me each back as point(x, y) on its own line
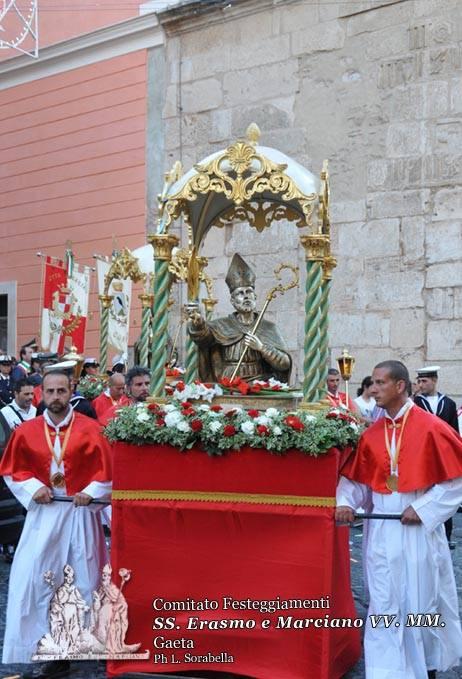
point(222, 341)
point(61, 453)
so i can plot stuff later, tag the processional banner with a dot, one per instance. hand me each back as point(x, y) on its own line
point(119, 311)
point(65, 306)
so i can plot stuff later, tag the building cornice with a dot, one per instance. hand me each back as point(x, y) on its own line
point(105, 43)
point(189, 15)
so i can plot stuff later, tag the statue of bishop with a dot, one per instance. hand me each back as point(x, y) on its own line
point(222, 341)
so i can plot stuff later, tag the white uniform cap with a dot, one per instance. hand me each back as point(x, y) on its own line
point(64, 365)
point(429, 371)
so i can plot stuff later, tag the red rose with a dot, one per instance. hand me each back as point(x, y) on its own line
point(244, 388)
point(225, 381)
point(255, 388)
point(185, 404)
point(169, 390)
point(196, 425)
point(230, 413)
point(253, 413)
point(229, 430)
point(294, 422)
point(216, 408)
point(160, 422)
point(153, 407)
point(179, 386)
point(262, 429)
point(187, 412)
point(276, 388)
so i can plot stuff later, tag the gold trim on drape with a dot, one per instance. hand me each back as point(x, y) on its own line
point(249, 498)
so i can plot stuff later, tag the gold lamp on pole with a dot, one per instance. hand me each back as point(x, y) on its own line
point(346, 363)
point(73, 355)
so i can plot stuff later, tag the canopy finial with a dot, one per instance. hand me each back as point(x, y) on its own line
point(253, 133)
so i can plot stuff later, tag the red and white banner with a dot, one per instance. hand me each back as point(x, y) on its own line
point(65, 306)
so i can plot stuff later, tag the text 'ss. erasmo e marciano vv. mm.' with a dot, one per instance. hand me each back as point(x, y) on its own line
point(279, 614)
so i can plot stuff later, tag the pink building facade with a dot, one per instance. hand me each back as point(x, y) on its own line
point(74, 155)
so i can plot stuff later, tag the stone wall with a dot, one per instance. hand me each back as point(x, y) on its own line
point(376, 88)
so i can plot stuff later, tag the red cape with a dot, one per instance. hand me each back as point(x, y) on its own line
point(87, 458)
point(431, 452)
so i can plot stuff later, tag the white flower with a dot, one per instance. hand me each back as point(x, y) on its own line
point(263, 419)
point(214, 426)
point(183, 426)
point(354, 426)
point(212, 413)
point(271, 412)
point(172, 418)
point(143, 416)
point(248, 427)
point(204, 407)
point(169, 407)
point(277, 431)
point(309, 418)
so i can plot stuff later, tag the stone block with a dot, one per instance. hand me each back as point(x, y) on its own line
point(444, 275)
point(366, 22)
point(268, 116)
point(407, 328)
point(272, 49)
point(382, 290)
point(412, 239)
point(376, 330)
point(448, 204)
point(311, 39)
point(171, 102)
point(407, 102)
point(172, 134)
point(405, 139)
point(346, 328)
point(444, 340)
point(261, 82)
point(398, 203)
point(439, 303)
point(436, 99)
point(201, 95)
point(348, 211)
point(455, 97)
point(373, 238)
point(359, 329)
point(457, 302)
point(295, 15)
point(390, 41)
point(245, 239)
point(220, 129)
point(444, 242)
point(287, 322)
point(214, 243)
point(445, 136)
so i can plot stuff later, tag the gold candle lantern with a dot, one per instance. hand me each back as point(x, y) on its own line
point(346, 363)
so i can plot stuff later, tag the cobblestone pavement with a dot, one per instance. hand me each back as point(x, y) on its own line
point(93, 670)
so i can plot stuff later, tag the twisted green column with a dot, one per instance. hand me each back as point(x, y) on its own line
point(328, 265)
point(315, 248)
point(106, 301)
point(146, 304)
point(163, 245)
point(191, 361)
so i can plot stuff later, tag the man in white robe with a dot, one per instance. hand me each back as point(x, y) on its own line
point(61, 453)
point(410, 466)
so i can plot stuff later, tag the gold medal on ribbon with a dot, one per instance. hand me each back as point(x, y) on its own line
point(392, 483)
point(57, 480)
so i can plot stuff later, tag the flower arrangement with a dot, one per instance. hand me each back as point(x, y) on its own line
point(255, 387)
point(92, 386)
point(184, 425)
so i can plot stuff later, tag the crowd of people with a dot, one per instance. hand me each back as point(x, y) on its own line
point(408, 465)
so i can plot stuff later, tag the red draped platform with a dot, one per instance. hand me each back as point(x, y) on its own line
point(248, 526)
